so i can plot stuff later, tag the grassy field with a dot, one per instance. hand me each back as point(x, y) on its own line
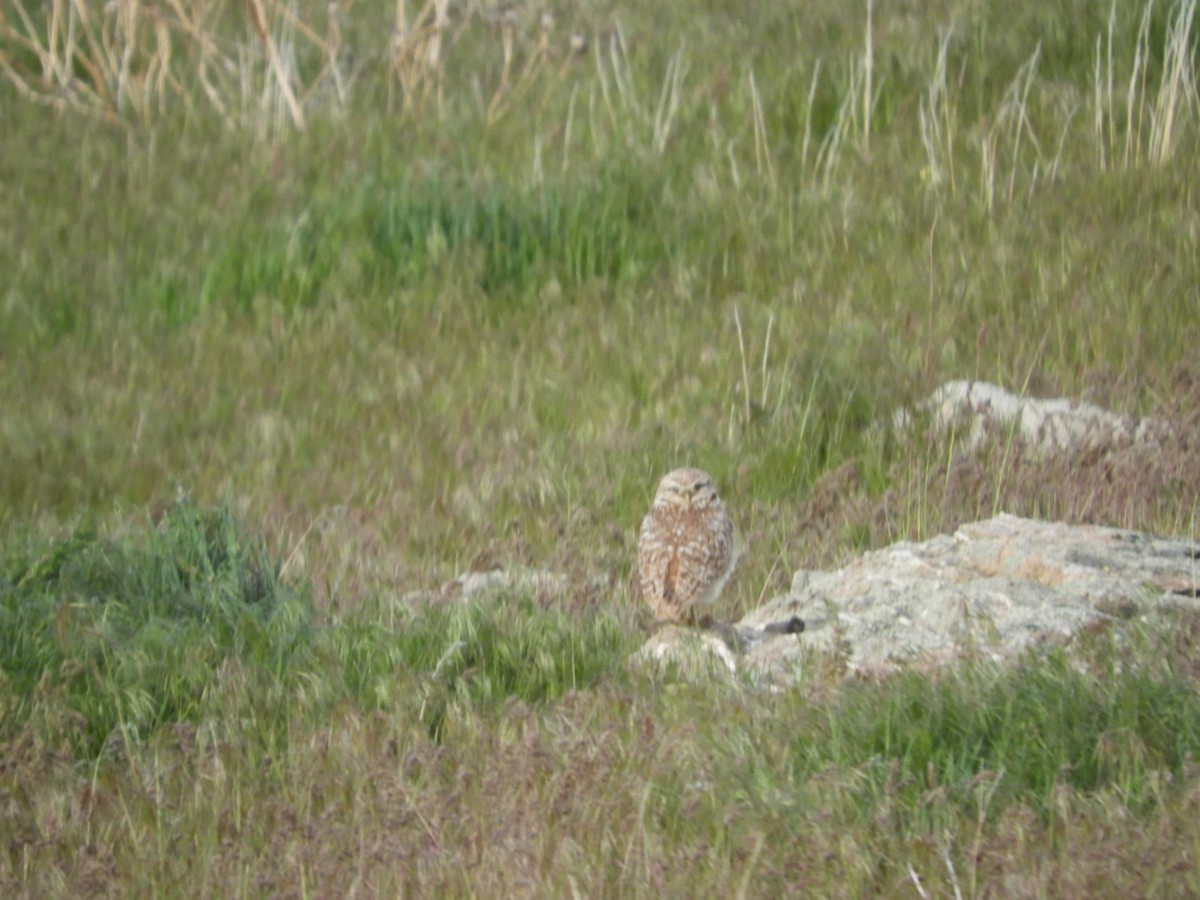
point(307, 309)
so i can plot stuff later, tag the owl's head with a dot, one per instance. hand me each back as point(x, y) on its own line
point(687, 488)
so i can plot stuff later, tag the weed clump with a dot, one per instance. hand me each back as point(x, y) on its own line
point(132, 632)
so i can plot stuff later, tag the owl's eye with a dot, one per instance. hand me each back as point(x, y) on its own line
point(696, 487)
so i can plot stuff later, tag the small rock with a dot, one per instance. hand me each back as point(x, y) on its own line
point(693, 655)
point(474, 585)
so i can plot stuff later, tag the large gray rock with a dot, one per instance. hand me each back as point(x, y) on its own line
point(993, 588)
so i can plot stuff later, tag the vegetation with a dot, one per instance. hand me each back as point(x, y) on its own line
point(398, 294)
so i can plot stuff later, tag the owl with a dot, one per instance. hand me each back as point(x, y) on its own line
point(685, 548)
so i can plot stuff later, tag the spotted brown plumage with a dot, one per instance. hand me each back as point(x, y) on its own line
point(686, 546)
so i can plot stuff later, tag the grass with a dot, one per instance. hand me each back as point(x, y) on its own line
point(128, 635)
point(398, 298)
point(176, 722)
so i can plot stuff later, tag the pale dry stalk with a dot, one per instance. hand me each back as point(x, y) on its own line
point(283, 79)
point(510, 89)
point(416, 59)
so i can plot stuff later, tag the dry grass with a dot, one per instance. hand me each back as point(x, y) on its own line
point(263, 63)
point(1121, 485)
point(607, 793)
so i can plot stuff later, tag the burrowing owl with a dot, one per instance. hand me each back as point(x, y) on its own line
point(685, 549)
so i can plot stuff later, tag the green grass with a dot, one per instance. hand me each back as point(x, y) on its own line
point(465, 318)
point(128, 636)
point(1040, 728)
point(174, 653)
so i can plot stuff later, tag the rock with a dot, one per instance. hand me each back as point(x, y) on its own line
point(714, 650)
point(691, 654)
point(543, 584)
point(980, 410)
point(477, 585)
point(993, 588)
